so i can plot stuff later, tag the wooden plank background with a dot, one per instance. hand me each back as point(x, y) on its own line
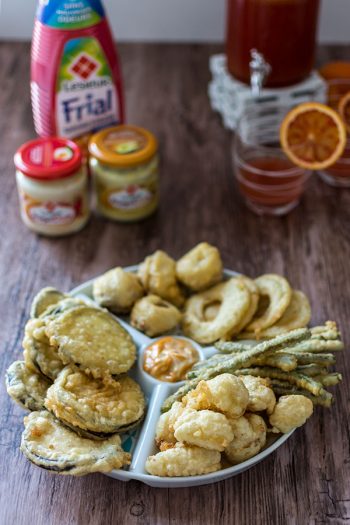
point(307, 481)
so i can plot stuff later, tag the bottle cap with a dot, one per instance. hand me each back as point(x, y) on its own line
point(123, 146)
point(48, 158)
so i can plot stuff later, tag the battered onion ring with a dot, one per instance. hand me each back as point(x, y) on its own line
point(279, 294)
point(200, 268)
point(234, 299)
point(154, 316)
point(297, 315)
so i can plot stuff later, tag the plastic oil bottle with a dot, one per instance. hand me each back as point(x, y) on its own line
point(75, 76)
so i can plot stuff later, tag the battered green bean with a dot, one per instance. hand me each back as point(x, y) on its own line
point(235, 361)
point(324, 400)
point(308, 358)
point(329, 379)
point(312, 370)
point(285, 362)
point(300, 380)
point(230, 347)
point(316, 345)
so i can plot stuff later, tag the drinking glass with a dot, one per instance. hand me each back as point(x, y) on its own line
point(268, 181)
point(338, 174)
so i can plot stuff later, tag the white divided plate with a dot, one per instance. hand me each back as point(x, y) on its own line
point(140, 442)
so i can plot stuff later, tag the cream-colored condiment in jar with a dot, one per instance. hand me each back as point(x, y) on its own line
point(124, 165)
point(52, 186)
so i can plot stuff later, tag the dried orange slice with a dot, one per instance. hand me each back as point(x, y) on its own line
point(344, 110)
point(313, 136)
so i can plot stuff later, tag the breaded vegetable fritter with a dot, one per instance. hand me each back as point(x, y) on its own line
point(200, 268)
point(290, 412)
point(165, 426)
point(261, 395)
point(157, 275)
point(92, 339)
point(182, 460)
point(117, 290)
point(44, 299)
point(26, 387)
point(102, 406)
point(154, 316)
point(204, 428)
point(38, 354)
point(225, 393)
point(249, 438)
point(52, 446)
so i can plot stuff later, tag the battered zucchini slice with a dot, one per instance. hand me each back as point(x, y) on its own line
point(26, 387)
point(92, 339)
point(44, 299)
point(95, 407)
point(39, 355)
point(50, 445)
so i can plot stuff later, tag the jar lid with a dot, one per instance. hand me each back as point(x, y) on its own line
point(48, 158)
point(123, 146)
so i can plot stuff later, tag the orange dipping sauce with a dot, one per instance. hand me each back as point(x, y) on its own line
point(169, 359)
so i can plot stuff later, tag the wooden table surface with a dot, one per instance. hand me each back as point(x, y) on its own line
point(307, 481)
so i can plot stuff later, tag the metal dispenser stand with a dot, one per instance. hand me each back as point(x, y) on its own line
point(231, 98)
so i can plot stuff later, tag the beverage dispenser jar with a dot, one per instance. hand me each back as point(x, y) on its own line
point(271, 43)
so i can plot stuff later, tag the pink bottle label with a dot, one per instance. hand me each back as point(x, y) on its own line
point(86, 98)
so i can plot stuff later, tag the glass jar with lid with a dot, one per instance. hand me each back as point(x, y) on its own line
point(52, 186)
point(125, 168)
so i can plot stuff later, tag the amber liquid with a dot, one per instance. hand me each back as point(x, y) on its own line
point(270, 189)
point(284, 31)
point(341, 169)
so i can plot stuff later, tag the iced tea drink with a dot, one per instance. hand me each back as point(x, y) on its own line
point(283, 31)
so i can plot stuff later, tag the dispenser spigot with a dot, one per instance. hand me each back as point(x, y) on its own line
point(259, 70)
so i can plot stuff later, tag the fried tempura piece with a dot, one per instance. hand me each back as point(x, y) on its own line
point(290, 412)
point(200, 268)
point(154, 316)
point(182, 460)
point(118, 290)
point(165, 425)
point(249, 438)
point(225, 393)
point(157, 275)
point(204, 428)
point(261, 396)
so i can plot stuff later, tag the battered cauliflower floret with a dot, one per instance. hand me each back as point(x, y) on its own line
point(200, 268)
point(157, 274)
point(117, 290)
point(290, 412)
point(225, 393)
point(249, 438)
point(154, 316)
point(261, 396)
point(204, 428)
point(165, 425)
point(183, 461)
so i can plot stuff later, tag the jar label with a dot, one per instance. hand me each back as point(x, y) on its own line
point(86, 97)
point(51, 213)
point(129, 198)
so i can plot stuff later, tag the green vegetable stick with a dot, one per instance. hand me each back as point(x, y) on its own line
point(236, 361)
point(312, 370)
point(307, 358)
point(300, 380)
point(324, 400)
point(329, 379)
